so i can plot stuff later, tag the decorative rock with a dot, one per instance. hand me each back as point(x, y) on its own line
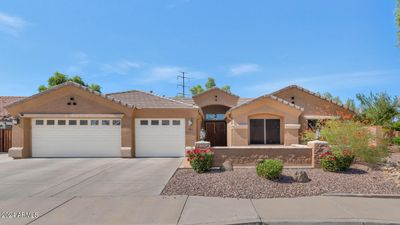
point(227, 166)
point(301, 176)
point(259, 161)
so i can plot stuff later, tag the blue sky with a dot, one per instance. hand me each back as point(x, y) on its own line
point(344, 47)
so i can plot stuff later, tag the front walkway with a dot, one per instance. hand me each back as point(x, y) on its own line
point(203, 210)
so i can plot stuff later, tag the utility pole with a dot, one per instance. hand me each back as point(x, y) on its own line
point(183, 84)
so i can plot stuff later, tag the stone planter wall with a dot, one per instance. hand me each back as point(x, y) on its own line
point(249, 155)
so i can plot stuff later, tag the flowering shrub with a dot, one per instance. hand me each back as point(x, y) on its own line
point(270, 169)
point(200, 160)
point(337, 161)
point(354, 137)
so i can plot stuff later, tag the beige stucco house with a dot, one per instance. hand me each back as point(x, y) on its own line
point(70, 120)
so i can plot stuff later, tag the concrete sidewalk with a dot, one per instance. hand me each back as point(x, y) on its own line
point(203, 210)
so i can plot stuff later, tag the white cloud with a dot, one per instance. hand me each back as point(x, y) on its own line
point(121, 67)
point(82, 60)
point(11, 24)
point(244, 68)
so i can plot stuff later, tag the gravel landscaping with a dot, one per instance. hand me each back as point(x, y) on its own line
point(244, 183)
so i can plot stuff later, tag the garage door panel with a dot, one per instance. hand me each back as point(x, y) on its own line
point(160, 140)
point(75, 140)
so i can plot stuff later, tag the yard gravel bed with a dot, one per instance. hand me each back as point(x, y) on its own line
point(244, 183)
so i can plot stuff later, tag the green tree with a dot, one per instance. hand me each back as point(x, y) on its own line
point(210, 83)
point(351, 104)
point(59, 78)
point(95, 87)
point(226, 88)
point(329, 96)
point(378, 109)
point(56, 79)
point(196, 89)
point(78, 80)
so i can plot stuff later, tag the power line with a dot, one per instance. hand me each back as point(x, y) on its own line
point(183, 78)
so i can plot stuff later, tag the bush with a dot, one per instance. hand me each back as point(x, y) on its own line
point(200, 160)
point(396, 141)
point(355, 138)
point(337, 161)
point(395, 126)
point(307, 136)
point(270, 169)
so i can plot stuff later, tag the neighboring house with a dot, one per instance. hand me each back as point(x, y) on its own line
point(70, 120)
point(6, 122)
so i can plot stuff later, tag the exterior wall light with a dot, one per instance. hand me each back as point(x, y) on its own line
point(190, 122)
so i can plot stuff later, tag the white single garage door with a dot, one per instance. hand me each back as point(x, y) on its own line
point(76, 137)
point(160, 137)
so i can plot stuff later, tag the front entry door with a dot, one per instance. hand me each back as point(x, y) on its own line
point(265, 131)
point(216, 132)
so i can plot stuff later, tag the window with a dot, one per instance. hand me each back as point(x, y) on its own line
point(312, 124)
point(215, 116)
point(264, 131)
point(165, 122)
point(83, 122)
point(144, 122)
point(94, 122)
point(116, 122)
point(176, 122)
point(51, 122)
point(39, 122)
point(61, 122)
point(105, 122)
point(72, 122)
point(155, 122)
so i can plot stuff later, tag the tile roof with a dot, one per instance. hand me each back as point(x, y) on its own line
point(70, 83)
point(271, 97)
point(7, 100)
point(191, 101)
point(313, 93)
point(143, 99)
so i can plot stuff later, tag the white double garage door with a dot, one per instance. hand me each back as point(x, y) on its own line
point(101, 137)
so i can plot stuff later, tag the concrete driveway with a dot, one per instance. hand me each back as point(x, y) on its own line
point(84, 177)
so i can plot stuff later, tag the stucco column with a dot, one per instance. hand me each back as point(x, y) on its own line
point(318, 147)
point(21, 140)
point(127, 149)
point(291, 135)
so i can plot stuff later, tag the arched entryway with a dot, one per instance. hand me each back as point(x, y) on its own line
point(215, 124)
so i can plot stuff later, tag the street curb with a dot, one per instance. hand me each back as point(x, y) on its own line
point(393, 196)
point(322, 222)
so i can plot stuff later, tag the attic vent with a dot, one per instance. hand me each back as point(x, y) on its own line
point(292, 97)
point(72, 101)
point(216, 98)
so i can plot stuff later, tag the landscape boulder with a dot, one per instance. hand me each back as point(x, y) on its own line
point(301, 176)
point(227, 166)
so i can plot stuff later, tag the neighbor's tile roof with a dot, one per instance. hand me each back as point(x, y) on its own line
point(6, 100)
point(191, 101)
point(143, 99)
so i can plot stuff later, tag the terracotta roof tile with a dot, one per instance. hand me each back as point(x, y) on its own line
point(283, 101)
point(143, 99)
point(313, 93)
point(6, 100)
